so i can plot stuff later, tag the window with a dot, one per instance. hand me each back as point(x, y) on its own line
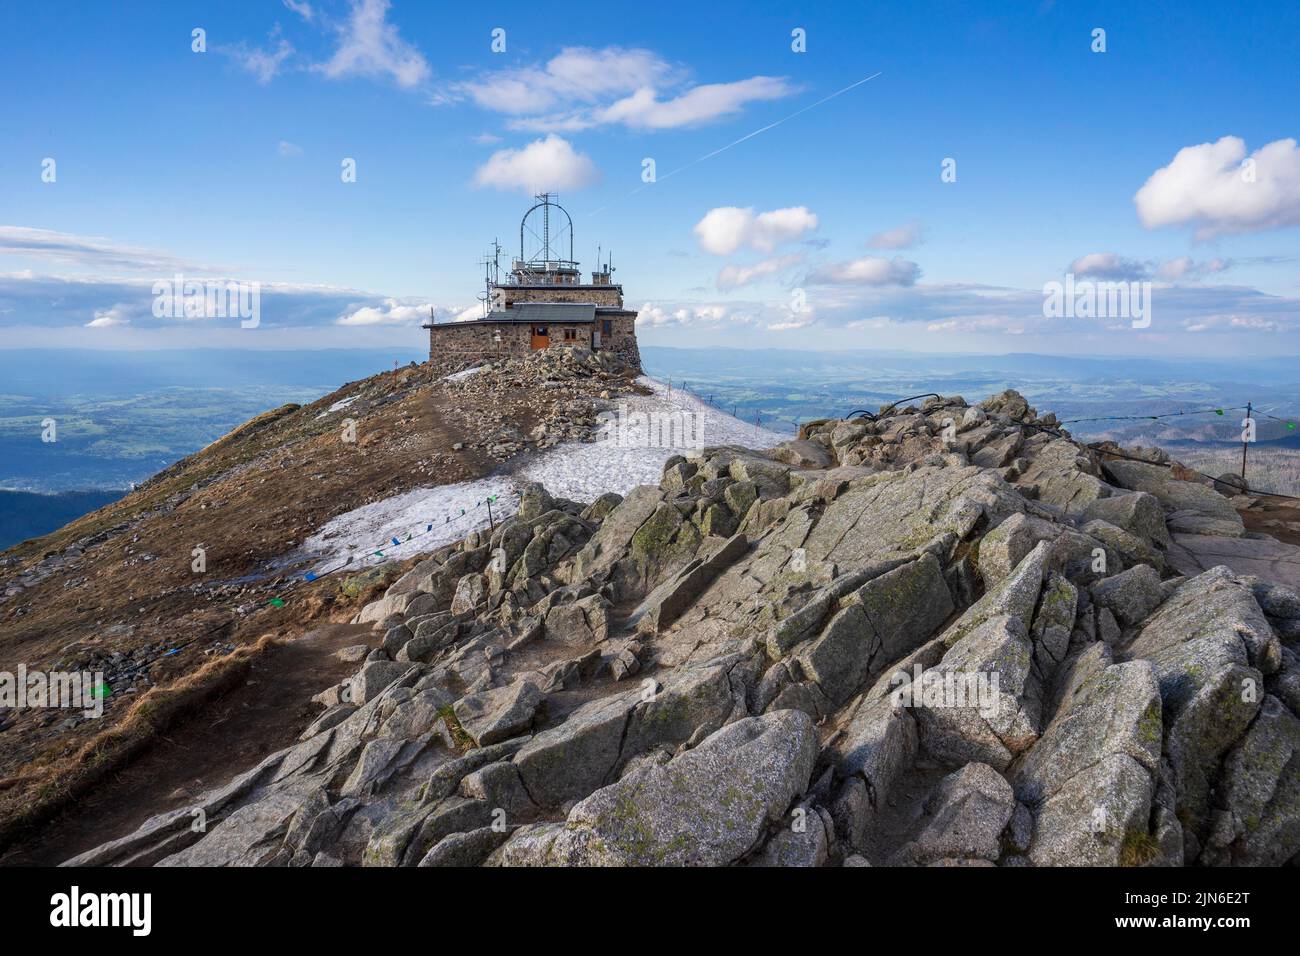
point(570, 335)
point(606, 326)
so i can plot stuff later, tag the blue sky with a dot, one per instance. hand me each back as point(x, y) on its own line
point(832, 228)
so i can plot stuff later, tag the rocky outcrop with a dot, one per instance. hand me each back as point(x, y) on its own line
point(944, 635)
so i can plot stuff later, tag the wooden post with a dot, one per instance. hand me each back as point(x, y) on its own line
point(491, 524)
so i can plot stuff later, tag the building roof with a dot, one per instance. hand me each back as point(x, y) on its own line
point(544, 313)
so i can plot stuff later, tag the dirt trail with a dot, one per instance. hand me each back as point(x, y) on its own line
point(266, 713)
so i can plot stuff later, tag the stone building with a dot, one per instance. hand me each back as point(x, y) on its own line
point(541, 302)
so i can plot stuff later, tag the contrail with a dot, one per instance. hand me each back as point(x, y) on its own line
point(761, 129)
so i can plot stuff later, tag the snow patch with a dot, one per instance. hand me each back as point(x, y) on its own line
point(422, 520)
point(338, 406)
point(583, 471)
point(464, 374)
point(579, 471)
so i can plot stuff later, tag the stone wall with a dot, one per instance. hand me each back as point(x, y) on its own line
point(458, 345)
point(609, 296)
point(622, 339)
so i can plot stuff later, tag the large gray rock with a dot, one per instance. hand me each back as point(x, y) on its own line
point(465, 849)
point(1130, 595)
point(610, 543)
point(905, 606)
point(980, 703)
point(667, 602)
point(804, 842)
point(1270, 560)
point(1206, 643)
point(1069, 551)
point(886, 618)
point(579, 623)
point(802, 453)
point(966, 814)
point(391, 603)
point(1015, 596)
point(1256, 820)
point(899, 513)
point(693, 701)
point(1065, 476)
point(1138, 513)
point(491, 716)
point(249, 836)
point(373, 678)
point(1175, 495)
point(1131, 548)
point(575, 757)
point(878, 743)
point(1090, 777)
point(708, 806)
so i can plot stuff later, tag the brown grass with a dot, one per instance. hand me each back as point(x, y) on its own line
point(30, 798)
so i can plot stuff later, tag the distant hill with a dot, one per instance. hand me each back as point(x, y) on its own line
point(26, 514)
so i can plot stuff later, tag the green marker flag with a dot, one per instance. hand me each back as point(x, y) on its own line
point(276, 602)
point(1290, 426)
point(1218, 411)
point(102, 690)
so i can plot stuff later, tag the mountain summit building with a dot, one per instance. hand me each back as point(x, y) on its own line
point(541, 302)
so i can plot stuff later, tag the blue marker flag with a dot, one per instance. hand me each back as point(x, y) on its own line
point(309, 576)
point(396, 543)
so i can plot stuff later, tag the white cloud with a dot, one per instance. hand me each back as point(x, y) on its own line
point(371, 46)
point(1107, 265)
point(902, 237)
point(1206, 186)
point(390, 312)
point(107, 318)
point(1185, 267)
point(732, 277)
point(286, 148)
point(700, 104)
point(727, 228)
point(468, 314)
point(1229, 323)
point(868, 270)
point(487, 139)
point(302, 8)
point(263, 64)
point(583, 87)
point(689, 315)
point(790, 324)
point(65, 247)
point(575, 75)
point(544, 164)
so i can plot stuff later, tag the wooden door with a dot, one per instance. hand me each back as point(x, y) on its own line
point(541, 339)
